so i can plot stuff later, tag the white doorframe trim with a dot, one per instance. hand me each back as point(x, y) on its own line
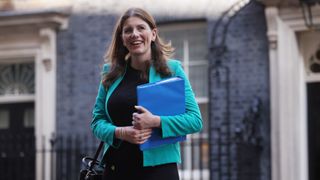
point(288, 95)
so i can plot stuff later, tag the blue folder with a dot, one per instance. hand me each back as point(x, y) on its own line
point(162, 98)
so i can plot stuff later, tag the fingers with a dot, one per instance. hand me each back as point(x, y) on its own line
point(146, 131)
point(134, 135)
point(137, 125)
point(143, 140)
point(142, 136)
point(141, 109)
point(136, 121)
point(141, 120)
point(136, 116)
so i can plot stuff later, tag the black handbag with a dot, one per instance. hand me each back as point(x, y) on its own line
point(93, 170)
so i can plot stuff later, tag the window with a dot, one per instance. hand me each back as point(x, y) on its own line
point(16, 79)
point(28, 117)
point(4, 119)
point(190, 43)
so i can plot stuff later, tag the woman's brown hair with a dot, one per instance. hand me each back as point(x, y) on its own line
point(117, 52)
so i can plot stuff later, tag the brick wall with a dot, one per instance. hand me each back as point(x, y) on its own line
point(241, 78)
point(80, 57)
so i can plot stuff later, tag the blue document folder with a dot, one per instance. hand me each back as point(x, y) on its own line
point(162, 98)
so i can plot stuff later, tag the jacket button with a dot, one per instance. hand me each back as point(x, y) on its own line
point(112, 167)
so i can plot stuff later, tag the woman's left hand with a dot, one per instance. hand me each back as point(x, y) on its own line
point(145, 119)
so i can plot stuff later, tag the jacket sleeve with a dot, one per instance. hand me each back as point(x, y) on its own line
point(190, 121)
point(101, 125)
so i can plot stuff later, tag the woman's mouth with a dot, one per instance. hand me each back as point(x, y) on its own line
point(134, 43)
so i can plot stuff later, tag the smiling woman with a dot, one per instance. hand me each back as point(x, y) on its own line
point(137, 56)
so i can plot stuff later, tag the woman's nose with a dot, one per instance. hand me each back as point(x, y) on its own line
point(135, 33)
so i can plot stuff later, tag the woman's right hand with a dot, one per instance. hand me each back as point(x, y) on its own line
point(133, 135)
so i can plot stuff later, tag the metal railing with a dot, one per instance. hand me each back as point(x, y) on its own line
point(18, 155)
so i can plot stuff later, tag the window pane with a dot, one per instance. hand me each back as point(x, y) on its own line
point(17, 78)
point(176, 42)
point(4, 119)
point(199, 80)
point(197, 39)
point(198, 47)
point(28, 118)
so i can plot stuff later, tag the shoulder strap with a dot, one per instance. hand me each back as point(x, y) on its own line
point(96, 156)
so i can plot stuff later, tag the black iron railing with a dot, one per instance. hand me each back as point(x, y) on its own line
point(60, 157)
point(17, 155)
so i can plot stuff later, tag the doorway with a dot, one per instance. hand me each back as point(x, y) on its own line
point(17, 139)
point(313, 90)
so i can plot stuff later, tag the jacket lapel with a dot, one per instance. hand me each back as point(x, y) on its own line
point(153, 75)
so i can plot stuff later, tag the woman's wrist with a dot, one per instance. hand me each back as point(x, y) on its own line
point(120, 132)
point(157, 121)
point(117, 132)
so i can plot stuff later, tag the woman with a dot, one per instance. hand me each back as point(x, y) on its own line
point(138, 56)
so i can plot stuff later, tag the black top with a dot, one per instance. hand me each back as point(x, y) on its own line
point(121, 107)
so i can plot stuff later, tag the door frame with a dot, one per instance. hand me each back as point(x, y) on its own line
point(289, 149)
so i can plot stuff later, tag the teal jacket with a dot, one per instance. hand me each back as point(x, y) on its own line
point(187, 123)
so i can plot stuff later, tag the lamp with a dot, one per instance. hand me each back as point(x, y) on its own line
point(309, 7)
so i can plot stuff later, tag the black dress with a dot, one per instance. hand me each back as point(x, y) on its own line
point(126, 162)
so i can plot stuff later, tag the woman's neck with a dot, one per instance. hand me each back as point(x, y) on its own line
point(139, 63)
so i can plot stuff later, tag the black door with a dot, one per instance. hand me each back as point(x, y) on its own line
point(17, 142)
point(313, 90)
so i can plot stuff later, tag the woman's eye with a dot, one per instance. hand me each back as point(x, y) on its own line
point(141, 28)
point(126, 31)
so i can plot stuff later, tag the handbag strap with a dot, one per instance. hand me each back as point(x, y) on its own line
point(96, 156)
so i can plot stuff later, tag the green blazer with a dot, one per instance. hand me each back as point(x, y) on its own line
point(190, 122)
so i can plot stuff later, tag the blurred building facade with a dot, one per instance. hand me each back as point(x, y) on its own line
point(253, 66)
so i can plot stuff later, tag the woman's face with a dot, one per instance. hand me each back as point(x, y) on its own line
point(137, 37)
